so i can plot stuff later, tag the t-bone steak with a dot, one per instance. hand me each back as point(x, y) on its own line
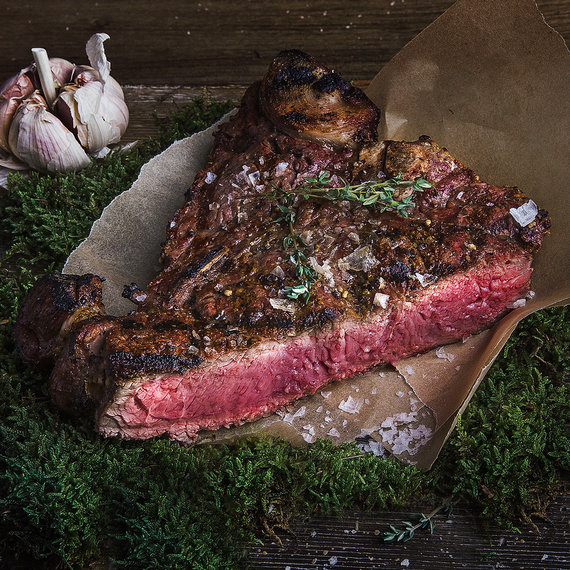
point(216, 339)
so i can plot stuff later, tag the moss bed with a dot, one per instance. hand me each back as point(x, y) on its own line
point(69, 498)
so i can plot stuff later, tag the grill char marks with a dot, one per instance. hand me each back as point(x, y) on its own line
point(215, 341)
point(308, 100)
point(51, 307)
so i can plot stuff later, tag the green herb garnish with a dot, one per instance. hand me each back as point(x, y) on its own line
point(409, 528)
point(294, 243)
point(388, 195)
point(383, 194)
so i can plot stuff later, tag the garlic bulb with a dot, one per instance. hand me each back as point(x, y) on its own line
point(89, 112)
point(39, 138)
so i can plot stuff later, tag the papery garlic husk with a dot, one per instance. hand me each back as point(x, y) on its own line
point(40, 139)
point(94, 112)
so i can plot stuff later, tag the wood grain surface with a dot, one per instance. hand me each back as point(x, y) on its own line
point(221, 43)
point(166, 52)
point(460, 540)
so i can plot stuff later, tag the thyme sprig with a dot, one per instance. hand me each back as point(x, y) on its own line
point(294, 243)
point(407, 532)
point(393, 194)
point(388, 194)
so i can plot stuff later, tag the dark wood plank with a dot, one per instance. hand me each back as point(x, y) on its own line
point(458, 541)
point(213, 43)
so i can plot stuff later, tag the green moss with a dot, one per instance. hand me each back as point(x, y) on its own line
point(512, 444)
point(69, 497)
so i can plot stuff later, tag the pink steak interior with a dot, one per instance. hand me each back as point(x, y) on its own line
point(247, 385)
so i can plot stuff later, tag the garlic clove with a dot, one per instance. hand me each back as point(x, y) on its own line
point(17, 86)
point(62, 70)
point(8, 160)
point(84, 74)
point(98, 117)
point(7, 109)
point(40, 139)
point(12, 92)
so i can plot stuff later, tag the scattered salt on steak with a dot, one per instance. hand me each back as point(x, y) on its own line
point(216, 339)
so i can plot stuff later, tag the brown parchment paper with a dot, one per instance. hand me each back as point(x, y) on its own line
point(489, 80)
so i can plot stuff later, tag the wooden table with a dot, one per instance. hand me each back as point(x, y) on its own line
point(164, 53)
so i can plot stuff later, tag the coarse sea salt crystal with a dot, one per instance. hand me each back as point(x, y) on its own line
point(310, 429)
point(360, 259)
point(254, 177)
point(409, 370)
point(278, 272)
point(351, 405)
point(210, 177)
point(320, 409)
point(519, 303)
point(425, 279)
point(440, 353)
point(370, 445)
point(333, 432)
point(324, 269)
point(333, 560)
point(288, 418)
point(326, 394)
point(283, 305)
point(399, 393)
point(381, 300)
point(525, 214)
point(280, 168)
point(404, 434)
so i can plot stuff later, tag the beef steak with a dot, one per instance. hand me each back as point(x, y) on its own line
point(216, 338)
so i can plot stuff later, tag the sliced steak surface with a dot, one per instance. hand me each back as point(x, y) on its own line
point(217, 340)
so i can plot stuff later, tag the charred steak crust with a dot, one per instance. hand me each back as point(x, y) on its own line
point(49, 311)
point(215, 342)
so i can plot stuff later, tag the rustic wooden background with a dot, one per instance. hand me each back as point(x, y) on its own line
point(164, 52)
